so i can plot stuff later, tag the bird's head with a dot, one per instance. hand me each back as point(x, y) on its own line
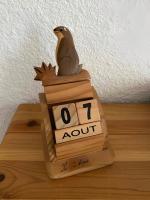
point(61, 32)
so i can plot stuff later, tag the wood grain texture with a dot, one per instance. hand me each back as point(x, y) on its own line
point(122, 180)
point(82, 76)
point(82, 163)
point(48, 150)
point(21, 159)
point(26, 119)
point(68, 92)
point(84, 145)
point(46, 118)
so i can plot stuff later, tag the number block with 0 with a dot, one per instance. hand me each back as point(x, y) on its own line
point(65, 115)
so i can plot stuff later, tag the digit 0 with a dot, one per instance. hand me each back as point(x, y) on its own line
point(65, 115)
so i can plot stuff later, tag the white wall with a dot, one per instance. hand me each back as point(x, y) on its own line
point(111, 37)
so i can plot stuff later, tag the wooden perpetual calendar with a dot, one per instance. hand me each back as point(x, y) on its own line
point(73, 130)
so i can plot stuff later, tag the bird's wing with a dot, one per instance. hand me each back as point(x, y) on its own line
point(66, 64)
point(66, 55)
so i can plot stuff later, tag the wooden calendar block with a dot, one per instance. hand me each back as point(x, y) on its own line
point(77, 132)
point(65, 115)
point(88, 111)
point(84, 145)
point(68, 92)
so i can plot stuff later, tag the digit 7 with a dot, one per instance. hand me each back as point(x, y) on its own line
point(88, 106)
point(88, 111)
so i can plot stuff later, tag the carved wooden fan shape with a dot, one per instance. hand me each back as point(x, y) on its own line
point(45, 72)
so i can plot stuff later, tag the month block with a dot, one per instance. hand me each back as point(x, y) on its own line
point(88, 111)
point(77, 132)
point(65, 115)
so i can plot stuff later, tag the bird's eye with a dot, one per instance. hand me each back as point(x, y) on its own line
point(61, 29)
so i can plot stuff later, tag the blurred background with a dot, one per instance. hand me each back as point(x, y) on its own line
point(112, 39)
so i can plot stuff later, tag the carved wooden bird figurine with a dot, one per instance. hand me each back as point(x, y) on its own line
point(66, 55)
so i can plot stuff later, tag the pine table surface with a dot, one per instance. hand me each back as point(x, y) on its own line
point(22, 169)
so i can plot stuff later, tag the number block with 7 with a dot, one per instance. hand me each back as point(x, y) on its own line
point(88, 111)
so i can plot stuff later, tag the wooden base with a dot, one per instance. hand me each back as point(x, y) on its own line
point(83, 163)
point(64, 167)
point(60, 168)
